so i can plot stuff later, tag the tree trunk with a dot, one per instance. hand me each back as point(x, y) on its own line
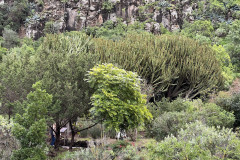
point(57, 142)
point(73, 135)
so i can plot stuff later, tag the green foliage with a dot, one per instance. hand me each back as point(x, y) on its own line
point(173, 118)
point(233, 45)
point(10, 38)
point(16, 79)
point(12, 15)
point(3, 51)
point(61, 63)
point(165, 105)
point(214, 115)
point(8, 143)
point(107, 6)
point(217, 10)
point(169, 123)
point(143, 14)
point(114, 30)
point(168, 63)
point(226, 64)
point(145, 11)
point(231, 104)
point(51, 27)
point(235, 107)
point(94, 132)
point(32, 43)
point(226, 35)
point(198, 27)
point(117, 99)
point(200, 30)
point(30, 128)
point(109, 30)
point(198, 141)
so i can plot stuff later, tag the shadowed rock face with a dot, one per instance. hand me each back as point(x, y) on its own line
point(79, 14)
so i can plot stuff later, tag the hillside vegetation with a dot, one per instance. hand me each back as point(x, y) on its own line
point(163, 82)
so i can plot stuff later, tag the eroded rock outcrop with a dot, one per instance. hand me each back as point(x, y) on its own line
point(79, 14)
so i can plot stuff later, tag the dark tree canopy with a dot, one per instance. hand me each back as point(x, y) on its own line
point(173, 65)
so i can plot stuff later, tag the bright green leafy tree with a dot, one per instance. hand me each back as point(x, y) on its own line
point(225, 62)
point(117, 99)
point(30, 128)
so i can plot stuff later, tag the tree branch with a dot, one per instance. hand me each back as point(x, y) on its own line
point(80, 130)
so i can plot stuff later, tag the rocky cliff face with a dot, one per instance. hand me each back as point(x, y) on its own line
point(79, 14)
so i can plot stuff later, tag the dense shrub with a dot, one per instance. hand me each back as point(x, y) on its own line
point(214, 115)
point(231, 104)
point(165, 105)
point(169, 123)
point(226, 64)
point(10, 38)
point(198, 141)
point(200, 27)
point(172, 121)
point(168, 63)
point(51, 27)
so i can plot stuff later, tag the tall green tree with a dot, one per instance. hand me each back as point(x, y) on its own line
point(117, 99)
point(61, 63)
point(30, 128)
point(16, 77)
